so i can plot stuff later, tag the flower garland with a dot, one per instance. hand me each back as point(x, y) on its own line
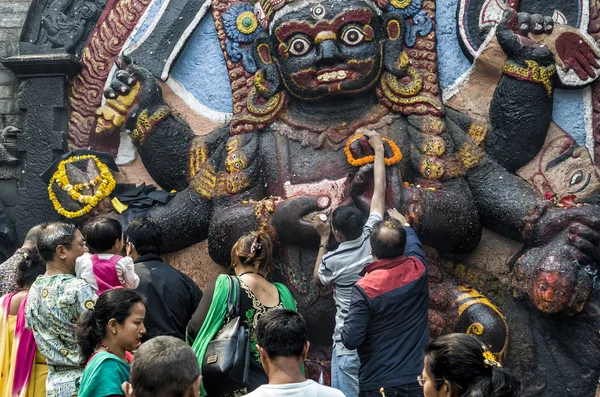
point(566, 202)
point(105, 180)
point(370, 159)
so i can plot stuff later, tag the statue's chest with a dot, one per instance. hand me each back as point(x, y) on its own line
point(297, 169)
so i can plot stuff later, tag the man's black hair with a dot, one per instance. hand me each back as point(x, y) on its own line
point(101, 233)
point(146, 235)
point(388, 239)
point(282, 333)
point(348, 220)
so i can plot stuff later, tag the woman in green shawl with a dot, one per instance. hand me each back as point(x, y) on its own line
point(252, 261)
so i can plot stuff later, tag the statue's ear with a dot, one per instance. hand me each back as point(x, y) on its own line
point(266, 80)
point(394, 59)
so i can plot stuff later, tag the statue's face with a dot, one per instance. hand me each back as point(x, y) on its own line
point(573, 174)
point(328, 48)
point(551, 292)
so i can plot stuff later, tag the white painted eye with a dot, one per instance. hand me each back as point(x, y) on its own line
point(353, 36)
point(300, 45)
point(317, 11)
point(575, 179)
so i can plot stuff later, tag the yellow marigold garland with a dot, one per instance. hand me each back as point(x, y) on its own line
point(370, 159)
point(105, 180)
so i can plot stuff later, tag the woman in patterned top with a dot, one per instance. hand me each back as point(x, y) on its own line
point(56, 300)
point(252, 262)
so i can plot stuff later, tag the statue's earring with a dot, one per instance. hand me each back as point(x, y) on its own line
point(266, 80)
point(395, 60)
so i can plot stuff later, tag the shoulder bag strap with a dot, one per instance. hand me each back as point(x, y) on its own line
point(231, 304)
point(238, 300)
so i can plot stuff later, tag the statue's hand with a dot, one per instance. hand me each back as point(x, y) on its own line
point(292, 219)
point(577, 227)
point(361, 187)
point(516, 33)
point(576, 53)
point(133, 91)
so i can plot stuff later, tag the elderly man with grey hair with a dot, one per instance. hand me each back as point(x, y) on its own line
point(55, 302)
point(164, 367)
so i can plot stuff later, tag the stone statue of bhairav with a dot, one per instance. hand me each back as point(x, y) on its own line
point(320, 71)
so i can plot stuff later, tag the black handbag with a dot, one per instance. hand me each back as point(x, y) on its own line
point(226, 362)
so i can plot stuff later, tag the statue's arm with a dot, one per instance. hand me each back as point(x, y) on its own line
point(507, 204)
point(442, 212)
point(445, 218)
point(521, 109)
point(165, 142)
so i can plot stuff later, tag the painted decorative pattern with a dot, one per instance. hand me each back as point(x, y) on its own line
point(107, 39)
point(423, 57)
point(241, 81)
point(594, 31)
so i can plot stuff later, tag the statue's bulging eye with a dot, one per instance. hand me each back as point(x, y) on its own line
point(575, 179)
point(353, 36)
point(300, 45)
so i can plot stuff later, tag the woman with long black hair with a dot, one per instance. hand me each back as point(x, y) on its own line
point(107, 334)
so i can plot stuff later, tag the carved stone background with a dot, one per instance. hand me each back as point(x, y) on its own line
point(12, 16)
point(97, 35)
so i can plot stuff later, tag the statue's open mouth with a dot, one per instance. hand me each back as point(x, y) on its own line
point(334, 75)
point(353, 70)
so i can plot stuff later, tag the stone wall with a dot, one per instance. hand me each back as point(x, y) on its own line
point(12, 17)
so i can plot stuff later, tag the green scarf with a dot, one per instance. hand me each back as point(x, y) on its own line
point(216, 315)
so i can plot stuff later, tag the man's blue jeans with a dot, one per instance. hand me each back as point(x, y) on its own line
point(344, 370)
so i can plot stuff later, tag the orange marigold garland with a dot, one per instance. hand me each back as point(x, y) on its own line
point(370, 159)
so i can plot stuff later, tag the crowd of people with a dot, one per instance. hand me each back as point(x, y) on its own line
point(78, 318)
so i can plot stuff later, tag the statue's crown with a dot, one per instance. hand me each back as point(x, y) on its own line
point(265, 9)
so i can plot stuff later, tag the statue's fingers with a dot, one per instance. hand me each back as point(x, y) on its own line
point(591, 57)
point(585, 232)
point(141, 73)
point(585, 65)
point(365, 147)
point(119, 87)
point(304, 205)
point(122, 61)
point(548, 24)
point(125, 77)
point(588, 251)
point(524, 23)
point(109, 93)
point(509, 17)
point(537, 24)
point(362, 202)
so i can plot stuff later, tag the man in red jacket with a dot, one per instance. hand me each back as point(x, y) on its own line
point(387, 318)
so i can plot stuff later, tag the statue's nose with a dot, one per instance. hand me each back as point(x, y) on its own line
point(328, 53)
point(548, 295)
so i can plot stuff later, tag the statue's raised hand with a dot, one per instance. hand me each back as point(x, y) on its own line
point(517, 33)
point(362, 184)
point(134, 91)
point(294, 217)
